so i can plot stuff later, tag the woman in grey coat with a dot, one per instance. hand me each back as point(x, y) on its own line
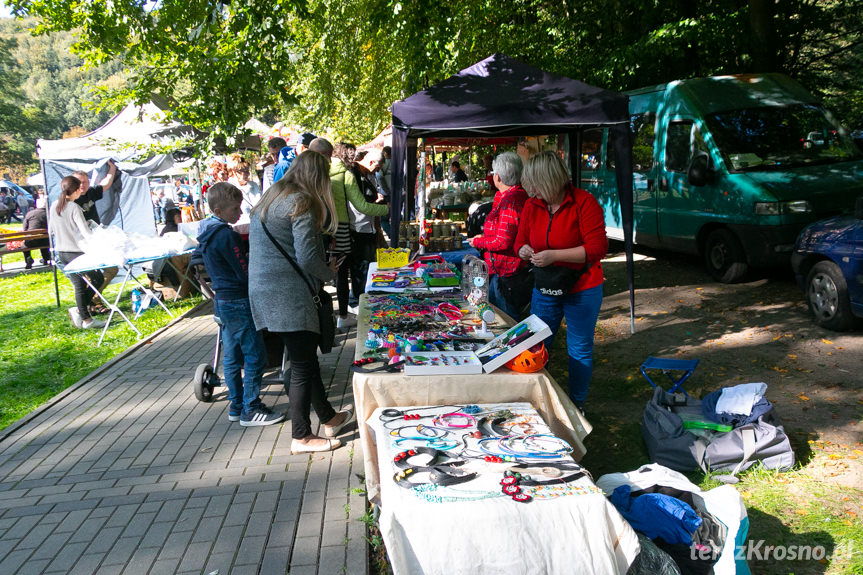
point(296, 210)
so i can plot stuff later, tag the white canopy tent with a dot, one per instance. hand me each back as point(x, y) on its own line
point(36, 180)
point(124, 138)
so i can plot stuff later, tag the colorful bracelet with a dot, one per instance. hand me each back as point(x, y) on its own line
point(443, 420)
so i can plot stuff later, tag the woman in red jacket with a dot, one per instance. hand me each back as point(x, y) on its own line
point(562, 232)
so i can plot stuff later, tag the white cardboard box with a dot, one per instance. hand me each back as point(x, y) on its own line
point(472, 367)
point(495, 353)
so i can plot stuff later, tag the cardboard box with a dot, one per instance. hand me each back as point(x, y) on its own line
point(498, 351)
point(458, 363)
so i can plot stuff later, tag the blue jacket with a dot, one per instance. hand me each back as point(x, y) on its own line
point(286, 157)
point(657, 515)
point(226, 258)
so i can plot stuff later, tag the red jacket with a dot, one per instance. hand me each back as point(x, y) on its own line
point(578, 222)
point(499, 231)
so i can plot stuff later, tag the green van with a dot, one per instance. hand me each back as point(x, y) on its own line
point(729, 167)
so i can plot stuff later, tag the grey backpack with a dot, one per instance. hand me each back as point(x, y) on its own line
point(669, 444)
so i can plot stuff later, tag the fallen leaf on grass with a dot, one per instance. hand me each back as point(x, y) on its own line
point(827, 341)
point(803, 397)
point(800, 512)
point(857, 452)
point(792, 356)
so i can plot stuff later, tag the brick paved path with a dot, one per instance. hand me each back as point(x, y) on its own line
point(130, 474)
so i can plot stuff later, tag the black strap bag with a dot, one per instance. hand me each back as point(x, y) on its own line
point(517, 288)
point(557, 281)
point(323, 301)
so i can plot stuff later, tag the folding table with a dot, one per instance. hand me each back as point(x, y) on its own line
point(128, 266)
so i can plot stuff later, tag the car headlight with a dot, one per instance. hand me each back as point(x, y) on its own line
point(778, 208)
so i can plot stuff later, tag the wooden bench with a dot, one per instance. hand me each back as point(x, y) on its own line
point(12, 241)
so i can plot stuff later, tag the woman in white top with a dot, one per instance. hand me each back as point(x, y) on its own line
point(240, 172)
point(68, 227)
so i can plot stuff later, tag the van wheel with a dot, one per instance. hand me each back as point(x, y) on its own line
point(827, 296)
point(724, 256)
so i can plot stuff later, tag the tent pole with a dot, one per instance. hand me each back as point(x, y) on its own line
point(421, 197)
point(50, 238)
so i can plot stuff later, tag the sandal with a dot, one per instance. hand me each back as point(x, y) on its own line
point(98, 309)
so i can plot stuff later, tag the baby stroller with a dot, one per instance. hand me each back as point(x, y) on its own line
point(206, 377)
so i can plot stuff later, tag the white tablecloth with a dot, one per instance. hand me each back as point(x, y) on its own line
point(569, 535)
point(383, 389)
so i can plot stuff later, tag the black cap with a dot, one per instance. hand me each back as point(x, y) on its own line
point(305, 139)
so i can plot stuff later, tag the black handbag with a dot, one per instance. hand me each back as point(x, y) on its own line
point(557, 281)
point(517, 288)
point(323, 301)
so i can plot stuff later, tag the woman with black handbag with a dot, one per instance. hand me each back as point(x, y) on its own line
point(510, 283)
point(286, 270)
point(562, 233)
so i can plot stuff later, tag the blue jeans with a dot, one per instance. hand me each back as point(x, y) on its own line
point(581, 310)
point(243, 346)
point(495, 296)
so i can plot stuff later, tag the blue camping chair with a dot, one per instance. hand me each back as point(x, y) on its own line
point(677, 370)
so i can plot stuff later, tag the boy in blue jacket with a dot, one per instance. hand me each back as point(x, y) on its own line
point(226, 259)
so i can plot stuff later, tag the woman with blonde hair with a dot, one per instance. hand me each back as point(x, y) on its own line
point(562, 232)
point(296, 211)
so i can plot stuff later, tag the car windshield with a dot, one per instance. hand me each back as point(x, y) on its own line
point(779, 137)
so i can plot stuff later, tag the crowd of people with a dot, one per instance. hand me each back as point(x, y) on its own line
point(322, 210)
point(321, 205)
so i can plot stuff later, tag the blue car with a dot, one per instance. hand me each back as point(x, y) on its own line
point(828, 263)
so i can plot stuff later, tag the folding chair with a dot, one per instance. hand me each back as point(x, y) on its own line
point(667, 366)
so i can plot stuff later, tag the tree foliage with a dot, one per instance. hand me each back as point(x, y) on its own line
point(47, 90)
point(339, 64)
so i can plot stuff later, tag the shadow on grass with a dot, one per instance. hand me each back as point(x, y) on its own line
point(774, 549)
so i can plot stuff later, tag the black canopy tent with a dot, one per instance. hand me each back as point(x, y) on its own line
point(500, 96)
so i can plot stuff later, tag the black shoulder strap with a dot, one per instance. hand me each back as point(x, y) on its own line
point(293, 263)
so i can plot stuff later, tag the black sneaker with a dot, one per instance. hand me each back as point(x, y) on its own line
point(234, 416)
point(260, 416)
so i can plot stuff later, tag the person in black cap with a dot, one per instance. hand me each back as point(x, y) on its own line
point(294, 148)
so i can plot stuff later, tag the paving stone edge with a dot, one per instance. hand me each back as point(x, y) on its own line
point(15, 426)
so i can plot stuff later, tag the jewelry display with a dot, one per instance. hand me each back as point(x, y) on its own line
point(436, 447)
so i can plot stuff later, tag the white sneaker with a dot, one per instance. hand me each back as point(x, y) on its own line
point(345, 322)
point(93, 324)
point(75, 317)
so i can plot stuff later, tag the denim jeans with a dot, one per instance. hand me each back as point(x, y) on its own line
point(243, 347)
point(495, 296)
point(581, 310)
point(305, 388)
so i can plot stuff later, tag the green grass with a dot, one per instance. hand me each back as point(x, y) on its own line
point(41, 353)
point(789, 508)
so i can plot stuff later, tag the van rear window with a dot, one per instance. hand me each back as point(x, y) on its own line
point(779, 137)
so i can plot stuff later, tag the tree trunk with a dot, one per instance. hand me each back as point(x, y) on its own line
point(764, 53)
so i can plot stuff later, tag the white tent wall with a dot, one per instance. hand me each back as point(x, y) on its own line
point(126, 204)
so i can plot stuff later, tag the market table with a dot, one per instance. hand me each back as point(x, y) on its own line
point(83, 264)
point(473, 528)
point(386, 389)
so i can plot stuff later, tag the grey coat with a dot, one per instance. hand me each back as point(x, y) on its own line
point(281, 299)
